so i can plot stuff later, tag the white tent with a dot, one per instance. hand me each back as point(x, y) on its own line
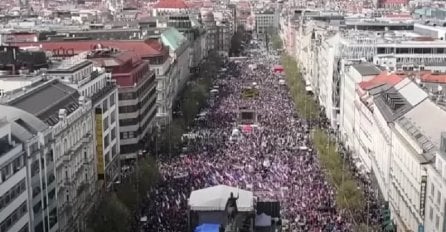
point(263, 220)
point(215, 198)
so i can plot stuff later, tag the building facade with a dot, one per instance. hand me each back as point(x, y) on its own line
point(136, 98)
point(37, 142)
point(70, 166)
point(96, 84)
point(14, 214)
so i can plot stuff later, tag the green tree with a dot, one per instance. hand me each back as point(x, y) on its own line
point(133, 189)
point(305, 104)
point(277, 42)
point(110, 216)
point(237, 41)
point(348, 196)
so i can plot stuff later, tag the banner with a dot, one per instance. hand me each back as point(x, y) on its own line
point(423, 195)
point(99, 144)
point(250, 93)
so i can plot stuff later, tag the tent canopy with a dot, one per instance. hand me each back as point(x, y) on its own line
point(207, 228)
point(215, 198)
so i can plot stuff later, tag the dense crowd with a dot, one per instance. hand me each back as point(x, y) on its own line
point(275, 159)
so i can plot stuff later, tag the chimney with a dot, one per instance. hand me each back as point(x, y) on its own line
point(62, 114)
point(443, 142)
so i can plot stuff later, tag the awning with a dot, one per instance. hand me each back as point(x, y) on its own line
point(215, 199)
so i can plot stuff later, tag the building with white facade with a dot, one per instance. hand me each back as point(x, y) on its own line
point(168, 7)
point(266, 21)
point(137, 97)
point(317, 40)
point(14, 214)
point(353, 74)
point(32, 138)
point(96, 84)
point(179, 51)
point(69, 116)
point(435, 191)
point(389, 118)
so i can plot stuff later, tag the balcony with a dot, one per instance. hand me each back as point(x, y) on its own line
point(87, 138)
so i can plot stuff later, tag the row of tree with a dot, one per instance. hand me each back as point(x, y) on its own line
point(117, 210)
point(349, 197)
point(190, 102)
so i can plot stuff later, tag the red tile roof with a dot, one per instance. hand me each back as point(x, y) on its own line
point(143, 48)
point(383, 78)
point(171, 4)
point(434, 78)
point(127, 67)
point(195, 5)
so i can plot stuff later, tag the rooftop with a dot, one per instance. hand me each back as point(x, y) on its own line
point(434, 78)
point(426, 132)
point(171, 4)
point(398, 100)
point(215, 198)
point(23, 124)
point(367, 69)
point(144, 48)
point(45, 101)
point(381, 79)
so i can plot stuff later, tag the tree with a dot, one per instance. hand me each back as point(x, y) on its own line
point(237, 41)
point(110, 216)
point(135, 187)
point(277, 42)
point(349, 197)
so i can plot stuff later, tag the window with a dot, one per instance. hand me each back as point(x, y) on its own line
point(36, 191)
point(438, 198)
point(113, 117)
point(24, 228)
point(105, 105)
point(113, 134)
point(114, 151)
point(126, 96)
point(6, 172)
point(128, 122)
point(106, 141)
point(105, 123)
point(128, 109)
point(112, 99)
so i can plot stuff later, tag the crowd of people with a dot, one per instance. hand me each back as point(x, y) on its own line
point(274, 158)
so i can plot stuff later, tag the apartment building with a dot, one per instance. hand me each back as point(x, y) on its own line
point(435, 191)
point(162, 59)
point(267, 21)
point(390, 108)
point(96, 84)
point(136, 97)
point(178, 49)
point(69, 116)
point(353, 74)
point(32, 139)
point(14, 214)
point(317, 41)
